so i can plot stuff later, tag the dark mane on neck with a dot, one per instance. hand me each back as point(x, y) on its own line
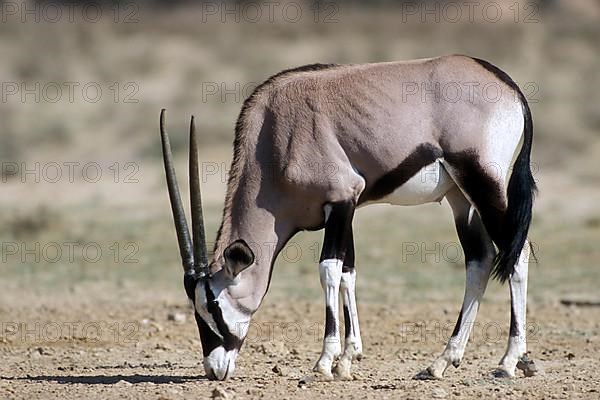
point(242, 128)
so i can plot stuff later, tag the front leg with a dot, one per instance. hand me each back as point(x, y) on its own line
point(338, 220)
point(352, 340)
point(331, 273)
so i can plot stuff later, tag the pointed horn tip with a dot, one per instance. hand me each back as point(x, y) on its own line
point(162, 118)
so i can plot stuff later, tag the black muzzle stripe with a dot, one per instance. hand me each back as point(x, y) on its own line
point(230, 341)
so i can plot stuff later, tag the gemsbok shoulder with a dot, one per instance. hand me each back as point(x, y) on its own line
point(314, 143)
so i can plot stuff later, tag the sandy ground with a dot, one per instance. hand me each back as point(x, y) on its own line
point(125, 330)
point(134, 348)
point(74, 329)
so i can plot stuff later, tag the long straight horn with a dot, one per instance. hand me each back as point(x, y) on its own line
point(181, 227)
point(200, 254)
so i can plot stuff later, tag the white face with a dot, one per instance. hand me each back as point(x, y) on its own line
point(223, 321)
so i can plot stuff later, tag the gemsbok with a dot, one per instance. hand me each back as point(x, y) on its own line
point(314, 143)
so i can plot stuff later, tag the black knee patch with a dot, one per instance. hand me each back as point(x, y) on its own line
point(514, 329)
point(457, 326)
point(330, 324)
point(347, 323)
point(473, 243)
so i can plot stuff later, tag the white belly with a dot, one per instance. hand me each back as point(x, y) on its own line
point(428, 185)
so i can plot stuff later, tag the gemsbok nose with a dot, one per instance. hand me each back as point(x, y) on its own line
point(219, 364)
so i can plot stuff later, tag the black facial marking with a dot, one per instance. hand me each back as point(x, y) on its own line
point(208, 338)
point(189, 283)
point(423, 155)
point(330, 324)
point(457, 326)
point(347, 323)
point(230, 341)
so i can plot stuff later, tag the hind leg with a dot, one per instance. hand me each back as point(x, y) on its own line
point(487, 190)
point(479, 254)
point(516, 353)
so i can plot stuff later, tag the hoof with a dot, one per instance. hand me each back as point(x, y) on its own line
point(527, 366)
point(342, 370)
point(343, 376)
point(500, 373)
point(323, 373)
point(426, 375)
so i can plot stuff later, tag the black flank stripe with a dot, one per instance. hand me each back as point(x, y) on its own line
point(422, 156)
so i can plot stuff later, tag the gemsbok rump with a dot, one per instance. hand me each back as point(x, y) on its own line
point(314, 143)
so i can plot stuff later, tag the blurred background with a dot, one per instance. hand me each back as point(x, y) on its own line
point(83, 83)
point(84, 212)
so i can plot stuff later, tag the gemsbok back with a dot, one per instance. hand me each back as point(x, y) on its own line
point(314, 143)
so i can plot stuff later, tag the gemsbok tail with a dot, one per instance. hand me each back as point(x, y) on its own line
point(517, 218)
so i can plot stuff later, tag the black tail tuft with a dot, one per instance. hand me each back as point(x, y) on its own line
point(520, 193)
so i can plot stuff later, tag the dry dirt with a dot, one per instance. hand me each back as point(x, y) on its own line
point(74, 329)
point(76, 347)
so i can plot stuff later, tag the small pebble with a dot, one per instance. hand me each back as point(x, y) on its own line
point(177, 317)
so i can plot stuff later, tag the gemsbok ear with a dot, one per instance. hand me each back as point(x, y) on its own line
point(238, 256)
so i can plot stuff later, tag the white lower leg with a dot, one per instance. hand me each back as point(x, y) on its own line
point(353, 342)
point(517, 343)
point(331, 273)
point(477, 278)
